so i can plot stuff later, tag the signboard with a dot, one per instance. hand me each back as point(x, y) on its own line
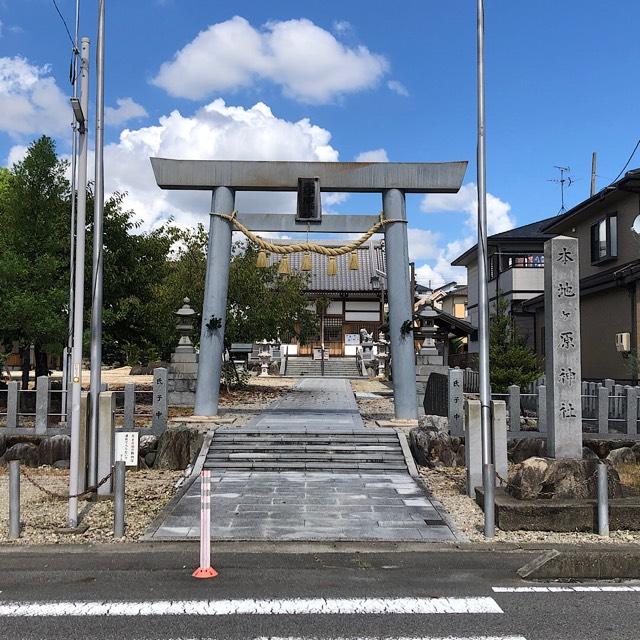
point(352, 338)
point(127, 447)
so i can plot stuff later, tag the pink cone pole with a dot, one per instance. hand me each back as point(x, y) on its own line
point(205, 570)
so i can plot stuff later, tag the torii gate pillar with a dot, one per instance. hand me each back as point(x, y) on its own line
point(400, 306)
point(216, 286)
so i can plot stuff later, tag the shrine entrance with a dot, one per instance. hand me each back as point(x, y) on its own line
point(391, 180)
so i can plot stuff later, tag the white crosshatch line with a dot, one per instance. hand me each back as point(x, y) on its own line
point(576, 589)
point(297, 606)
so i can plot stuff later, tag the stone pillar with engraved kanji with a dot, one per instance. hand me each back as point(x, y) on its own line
point(562, 347)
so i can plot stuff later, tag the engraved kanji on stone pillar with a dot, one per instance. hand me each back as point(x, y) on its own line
point(562, 347)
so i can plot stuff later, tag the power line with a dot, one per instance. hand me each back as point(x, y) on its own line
point(66, 27)
point(633, 153)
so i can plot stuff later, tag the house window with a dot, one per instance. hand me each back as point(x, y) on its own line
point(604, 239)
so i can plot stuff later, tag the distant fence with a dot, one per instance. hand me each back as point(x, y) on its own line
point(39, 411)
point(609, 410)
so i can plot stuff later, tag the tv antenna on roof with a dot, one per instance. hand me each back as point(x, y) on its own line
point(564, 179)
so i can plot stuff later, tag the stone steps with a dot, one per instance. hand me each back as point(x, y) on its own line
point(333, 368)
point(304, 450)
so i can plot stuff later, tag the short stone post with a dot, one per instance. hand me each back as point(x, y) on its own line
point(42, 405)
point(603, 410)
point(13, 404)
point(562, 347)
point(106, 437)
point(542, 408)
point(14, 499)
point(82, 444)
point(160, 404)
point(499, 417)
point(632, 410)
point(129, 406)
point(456, 402)
point(514, 407)
point(473, 445)
point(119, 475)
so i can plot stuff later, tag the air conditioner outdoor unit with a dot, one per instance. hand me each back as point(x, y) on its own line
point(623, 342)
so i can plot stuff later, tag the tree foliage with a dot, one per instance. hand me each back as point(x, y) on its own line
point(512, 360)
point(34, 252)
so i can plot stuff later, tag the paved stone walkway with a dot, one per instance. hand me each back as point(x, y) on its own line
point(254, 505)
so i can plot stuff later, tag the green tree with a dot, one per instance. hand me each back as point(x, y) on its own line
point(512, 360)
point(260, 303)
point(34, 254)
point(135, 265)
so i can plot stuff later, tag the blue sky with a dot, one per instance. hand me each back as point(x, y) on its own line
point(336, 80)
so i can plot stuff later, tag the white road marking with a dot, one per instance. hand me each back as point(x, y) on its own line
point(576, 589)
point(314, 606)
point(375, 638)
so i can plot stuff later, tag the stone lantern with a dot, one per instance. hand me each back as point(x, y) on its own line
point(382, 354)
point(183, 370)
point(265, 358)
point(428, 328)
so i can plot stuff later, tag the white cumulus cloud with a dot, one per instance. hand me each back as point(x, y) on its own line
point(397, 87)
point(423, 244)
point(308, 62)
point(217, 131)
point(30, 100)
point(127, 109)
point(375, 155)
point(499, 216)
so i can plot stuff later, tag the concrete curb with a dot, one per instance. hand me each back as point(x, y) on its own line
point(585, 564)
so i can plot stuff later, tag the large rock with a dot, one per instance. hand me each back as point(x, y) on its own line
point(589, 454)
point(26, 452)
point(55, 448)
point(434, 423)
point(3, 444)
point(523, 448)
point(562, 479)
point(624, 455)
point(432, 448)
point(147, 444)
point(176, 448)
point(636, 450)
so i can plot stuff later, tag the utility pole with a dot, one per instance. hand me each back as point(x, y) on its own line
point(66, 365)
point(594, 161)
point(81, 111)
point(98, 216)
point(488, 467)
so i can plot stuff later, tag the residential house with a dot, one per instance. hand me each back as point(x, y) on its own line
point(607, 226)
point(515, 273)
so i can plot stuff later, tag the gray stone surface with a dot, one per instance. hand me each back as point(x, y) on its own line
point(308, 505)
point(562, 347)
point(473, 446)
point(456, 402)
point(160, 407)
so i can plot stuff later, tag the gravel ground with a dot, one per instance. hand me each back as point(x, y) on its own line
point(373, 409)
point(448, 486)
point(147, 492)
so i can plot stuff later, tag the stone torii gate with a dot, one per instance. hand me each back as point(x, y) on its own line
point(393, 180)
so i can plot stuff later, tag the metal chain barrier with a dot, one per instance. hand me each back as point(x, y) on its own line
point(63, 496)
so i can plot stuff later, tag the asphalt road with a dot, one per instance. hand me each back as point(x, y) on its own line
point(149, 593)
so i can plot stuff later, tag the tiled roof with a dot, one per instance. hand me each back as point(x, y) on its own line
point(370, 258)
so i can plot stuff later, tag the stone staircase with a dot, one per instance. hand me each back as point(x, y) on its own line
point(346, 451)
point(333, 368)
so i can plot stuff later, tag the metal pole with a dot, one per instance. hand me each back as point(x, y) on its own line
point(78, 298)
point(66, 368)
point(14, 499)
point(215, 304)
point(603, 499)
point(594, 161)
point(98, 215)
point(488, 470)
point(119, 475)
